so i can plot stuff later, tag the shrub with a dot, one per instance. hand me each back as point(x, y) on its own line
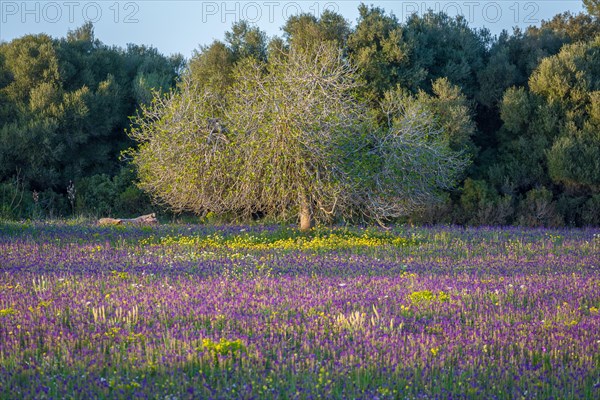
point(50, 205)
point(95, 195)
point(439, 212)
point(539, 209)
point(480, 204)
point(13, 198)
point(571, 209)
point(100, 195)
point(130, 199)
point(591, 211)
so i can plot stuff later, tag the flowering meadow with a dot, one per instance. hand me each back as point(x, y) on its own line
point(178, 312)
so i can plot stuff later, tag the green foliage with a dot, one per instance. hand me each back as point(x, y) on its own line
point(382, 54)
point(50, 205)
point(516, 110)
point(427, 296)
point(265, 151)
point(525, 106)
point(539, 209)
point(592, 7)
point(246, 41)
point(481, 205)
point(572, 28)
point(437, 212)
point(95, 194)
point(513, 58)
point(101, 196)
point(447, 47)
point(591, 211)
point(573, 209)
point(570, 83)
point(429, 47)
point(575, 161)
point(12, 198)
point(290, 137)
point(31, 61)
point(224, 347)
point(16, 202)
point(130, 200)
point(64, 107)
point(567, 78)
point(498, 75)
point(211, 67)
point(449, 108)
point(530, 125)
point(308, 32)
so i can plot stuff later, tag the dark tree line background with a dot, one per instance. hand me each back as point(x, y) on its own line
point(64, 111)
point(525, 105)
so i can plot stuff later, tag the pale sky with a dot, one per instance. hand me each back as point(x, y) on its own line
point(182, 26)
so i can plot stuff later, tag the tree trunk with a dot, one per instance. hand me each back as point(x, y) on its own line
point(306, 220)
point(141, 220)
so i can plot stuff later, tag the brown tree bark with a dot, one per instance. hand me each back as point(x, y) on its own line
point(141, 220)
point(306, 214)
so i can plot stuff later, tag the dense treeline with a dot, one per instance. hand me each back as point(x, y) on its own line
point(64, 110)
point(524, 106)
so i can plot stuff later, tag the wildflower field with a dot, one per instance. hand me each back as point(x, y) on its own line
point(177, 312)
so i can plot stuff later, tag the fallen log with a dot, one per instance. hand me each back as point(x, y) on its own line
point(148, 219)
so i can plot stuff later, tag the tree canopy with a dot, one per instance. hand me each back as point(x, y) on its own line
point(522, 105)
point(291, 138)
point(65, 107)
